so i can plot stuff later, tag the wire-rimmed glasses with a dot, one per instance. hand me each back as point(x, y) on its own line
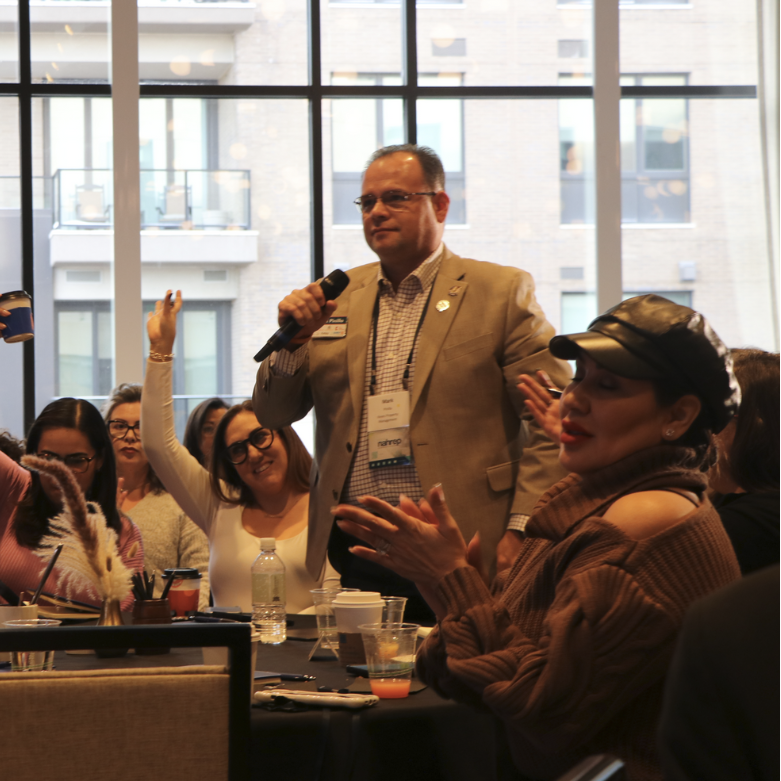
point(393, 199)
point(76, 462)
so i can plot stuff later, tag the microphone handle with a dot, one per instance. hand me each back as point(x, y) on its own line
point(280, 340)
point(333, 285)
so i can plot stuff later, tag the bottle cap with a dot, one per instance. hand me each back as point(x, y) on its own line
point(268, 543)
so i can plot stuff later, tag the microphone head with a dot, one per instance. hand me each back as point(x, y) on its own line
point(334, 284)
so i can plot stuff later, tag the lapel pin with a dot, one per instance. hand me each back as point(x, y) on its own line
point(443, 305)
point(454, 290)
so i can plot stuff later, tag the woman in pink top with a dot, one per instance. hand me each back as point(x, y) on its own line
point(73, 432)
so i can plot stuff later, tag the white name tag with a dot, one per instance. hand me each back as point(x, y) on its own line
point(389, 430)
point(334, 328)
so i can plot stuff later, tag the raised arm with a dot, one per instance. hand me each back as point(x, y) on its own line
point(181, 474)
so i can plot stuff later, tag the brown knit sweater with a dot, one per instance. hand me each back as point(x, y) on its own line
point(571, 649)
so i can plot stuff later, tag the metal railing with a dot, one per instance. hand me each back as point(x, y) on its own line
point(188, 199)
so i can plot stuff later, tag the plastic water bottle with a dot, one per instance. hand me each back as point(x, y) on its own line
point(268, 594)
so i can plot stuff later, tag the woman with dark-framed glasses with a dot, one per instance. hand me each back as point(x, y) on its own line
point(71, 431)
point(255, 485)
point(171, 539)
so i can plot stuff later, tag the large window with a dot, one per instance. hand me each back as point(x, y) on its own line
point(654, 156)
point(255, 122)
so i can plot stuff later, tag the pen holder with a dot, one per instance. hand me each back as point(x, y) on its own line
point(152, 611)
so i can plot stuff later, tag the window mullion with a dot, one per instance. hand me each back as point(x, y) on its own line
point(128, 337)
point(607, 152)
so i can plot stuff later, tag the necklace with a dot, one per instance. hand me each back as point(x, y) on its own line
point(285, 511)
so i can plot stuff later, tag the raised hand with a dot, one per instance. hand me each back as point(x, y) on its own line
point(542, 405)
point(161, 324)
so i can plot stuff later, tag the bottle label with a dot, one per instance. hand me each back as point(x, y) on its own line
point(267, 589)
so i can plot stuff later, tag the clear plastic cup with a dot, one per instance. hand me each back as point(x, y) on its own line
point(323, 599)
point(390, 657)
point(393, 610)
point(31, 661)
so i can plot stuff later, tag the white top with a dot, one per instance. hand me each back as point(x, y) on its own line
point(232, 548)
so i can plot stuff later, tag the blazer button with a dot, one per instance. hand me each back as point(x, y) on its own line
point(349, 447)
point(336, 495)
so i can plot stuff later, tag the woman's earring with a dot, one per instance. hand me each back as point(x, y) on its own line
point(670, 433)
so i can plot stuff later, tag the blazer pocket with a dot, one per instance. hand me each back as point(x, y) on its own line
point(481, 342)
point(502, 476)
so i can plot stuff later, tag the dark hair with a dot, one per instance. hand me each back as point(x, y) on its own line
point(130, 393)
point(699, 435)
point(753, 458)
point(192, 431)
point(433, 170)
point(299, 462)
point(11, 446)
point(32, 517)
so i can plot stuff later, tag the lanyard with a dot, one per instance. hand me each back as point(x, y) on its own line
point(375, 328)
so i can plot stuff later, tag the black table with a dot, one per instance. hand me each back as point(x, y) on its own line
point(420, 737)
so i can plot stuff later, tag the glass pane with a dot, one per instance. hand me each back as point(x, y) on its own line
point(352, 130)
point(511, 201)
point(73, 247)
point(720, 255)
point(713, 43)
point(70, 41)
point(225, 218)
point(11, 399)
point(503, 42)
point(9, 49)
point(365, 39)
point(217, 42)
point(200, 353)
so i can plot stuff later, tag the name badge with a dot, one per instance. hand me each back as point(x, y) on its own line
point(334, 328)
point(389, 430)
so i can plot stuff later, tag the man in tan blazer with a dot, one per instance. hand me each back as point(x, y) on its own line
point(470, 328)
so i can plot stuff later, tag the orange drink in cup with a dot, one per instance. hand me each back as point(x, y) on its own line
point(390, 657)
point(185, 591)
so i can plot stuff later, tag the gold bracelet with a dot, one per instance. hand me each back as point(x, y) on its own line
point(160, 358)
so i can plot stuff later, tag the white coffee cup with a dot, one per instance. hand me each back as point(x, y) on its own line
point(353, 608)
point(13, 613)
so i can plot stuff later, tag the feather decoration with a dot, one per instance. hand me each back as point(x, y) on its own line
point(90, 553)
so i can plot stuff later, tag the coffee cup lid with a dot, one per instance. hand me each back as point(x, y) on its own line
point(14, 294)
point(357, 597)
point(182, 572)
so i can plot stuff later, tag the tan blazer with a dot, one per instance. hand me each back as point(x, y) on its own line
point(466, 428)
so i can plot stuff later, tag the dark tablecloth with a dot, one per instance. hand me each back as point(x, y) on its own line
point(421, 737)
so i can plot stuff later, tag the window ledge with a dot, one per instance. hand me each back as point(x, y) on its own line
point(636, 226)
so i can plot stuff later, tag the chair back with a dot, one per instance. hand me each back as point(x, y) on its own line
point(127, 723)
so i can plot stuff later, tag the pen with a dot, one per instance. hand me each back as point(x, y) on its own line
point(285, 676)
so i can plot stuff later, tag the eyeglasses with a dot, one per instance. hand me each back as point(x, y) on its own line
point(75, 463)
point(260, 439)
point(119, 428)
point(393, 199)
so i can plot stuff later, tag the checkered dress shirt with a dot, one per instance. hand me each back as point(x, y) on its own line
point(400, 313)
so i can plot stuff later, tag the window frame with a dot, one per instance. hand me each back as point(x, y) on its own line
point(315, 92)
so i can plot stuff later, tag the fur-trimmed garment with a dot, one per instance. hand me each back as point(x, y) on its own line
point(571, 649)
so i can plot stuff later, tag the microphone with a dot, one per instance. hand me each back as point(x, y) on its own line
point(333, 285)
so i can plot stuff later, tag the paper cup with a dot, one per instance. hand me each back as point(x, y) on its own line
point(353, 608)
point(19, 326)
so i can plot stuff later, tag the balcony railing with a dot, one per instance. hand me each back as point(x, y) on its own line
point(183, 200)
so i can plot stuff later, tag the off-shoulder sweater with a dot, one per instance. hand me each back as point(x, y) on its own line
point(571, 649)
